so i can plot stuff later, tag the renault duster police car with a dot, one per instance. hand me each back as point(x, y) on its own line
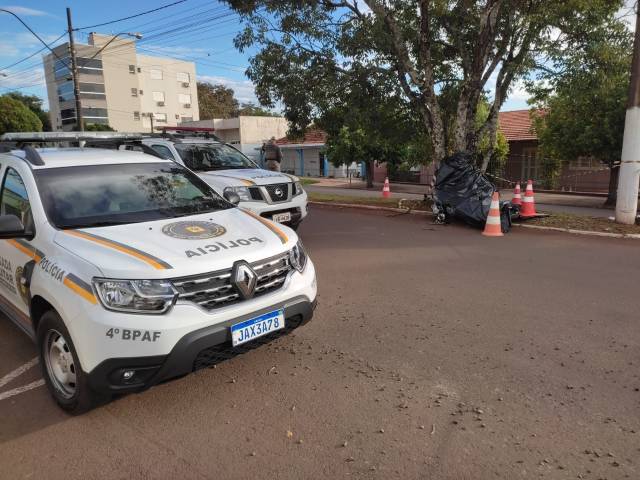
point(273, 195)
point(127, 269)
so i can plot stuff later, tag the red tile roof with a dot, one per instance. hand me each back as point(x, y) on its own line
point(310, 136)
point(517, 125)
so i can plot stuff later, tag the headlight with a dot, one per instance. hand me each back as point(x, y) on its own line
point(135, 296)
point(298, 257)
point(297, 188)
point(242, 192)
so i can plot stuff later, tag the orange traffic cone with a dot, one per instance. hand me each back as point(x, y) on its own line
point(493, 227)
point(517, 198)
point(528, 209)
point(386, 191)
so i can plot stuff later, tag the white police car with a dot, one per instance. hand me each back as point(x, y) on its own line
point(127, 269)
point(273, 195)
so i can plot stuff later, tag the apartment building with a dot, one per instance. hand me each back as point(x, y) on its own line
point(119, 87)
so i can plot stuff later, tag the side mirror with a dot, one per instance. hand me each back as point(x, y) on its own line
point(12, 227)
point(232, 197)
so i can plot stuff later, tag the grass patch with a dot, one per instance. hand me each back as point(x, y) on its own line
point(308, 181)
point(374, 201)
point(579, 222)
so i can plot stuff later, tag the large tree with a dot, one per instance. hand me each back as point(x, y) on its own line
point(33, 103)
point(250, 109)
point(216, 101)
point(584, 98)
point(16, 117)
point(310, 49)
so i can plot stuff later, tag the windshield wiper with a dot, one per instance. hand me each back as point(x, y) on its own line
point(105, 223)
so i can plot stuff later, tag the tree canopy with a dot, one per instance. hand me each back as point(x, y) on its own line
point(216, 101)
point(15, 116)
point(33, 103)
point(418, 49)
point(584, 99)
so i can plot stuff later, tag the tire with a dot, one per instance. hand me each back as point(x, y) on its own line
point(61, 369)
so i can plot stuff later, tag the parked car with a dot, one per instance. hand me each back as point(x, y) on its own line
point(127, 269)
point(273, 195)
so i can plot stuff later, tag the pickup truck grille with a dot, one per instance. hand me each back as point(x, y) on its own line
point(278, 192)
point(214, 290)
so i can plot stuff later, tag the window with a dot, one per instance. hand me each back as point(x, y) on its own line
point(65, 92)
point(134, 92)
point(183, 77)
point(209, 157)
point(186, 119)
point(15, 200)
point(155, 73)
point(158, 96)
point(184, 98)
point(160, 117)
point(164, 151)
point(132, 69)
point(92, 90)
point(91, 195)
point(136, 115)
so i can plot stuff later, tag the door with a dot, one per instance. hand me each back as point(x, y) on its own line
point(17, 256)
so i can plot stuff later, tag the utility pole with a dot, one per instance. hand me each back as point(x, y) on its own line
point(151, 118)
point(627, 201)
point(74, 73)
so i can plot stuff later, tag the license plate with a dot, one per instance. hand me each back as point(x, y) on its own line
point(282, 217)
point(257, 327)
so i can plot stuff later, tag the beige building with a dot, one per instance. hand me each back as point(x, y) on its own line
point(247, 134)
point(119, 87)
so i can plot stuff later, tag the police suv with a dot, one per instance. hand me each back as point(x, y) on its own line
point(127, 269)
point(273, 195)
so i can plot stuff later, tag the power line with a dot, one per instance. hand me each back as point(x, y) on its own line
point(131, 16)
point(35, 34)
point(33, 54)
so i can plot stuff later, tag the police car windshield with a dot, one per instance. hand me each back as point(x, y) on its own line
point(205, 157)
point(103, 195)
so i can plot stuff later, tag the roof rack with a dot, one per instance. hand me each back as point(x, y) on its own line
point(47, 137)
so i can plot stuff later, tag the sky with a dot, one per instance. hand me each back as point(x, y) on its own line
point(208, 40)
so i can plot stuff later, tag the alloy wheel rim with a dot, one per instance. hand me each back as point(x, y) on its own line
point(60, 365)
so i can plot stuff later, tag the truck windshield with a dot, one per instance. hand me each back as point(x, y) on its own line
point(103, 195)
point(206, 157)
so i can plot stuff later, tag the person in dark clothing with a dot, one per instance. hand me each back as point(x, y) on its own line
point(272, 155)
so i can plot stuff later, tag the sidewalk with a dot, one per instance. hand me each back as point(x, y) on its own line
point(553, 202)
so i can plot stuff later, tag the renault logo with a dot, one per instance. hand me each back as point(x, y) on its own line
point(244, 279)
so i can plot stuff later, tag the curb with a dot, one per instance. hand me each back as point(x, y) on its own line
point(633, 236)
point(371, 207)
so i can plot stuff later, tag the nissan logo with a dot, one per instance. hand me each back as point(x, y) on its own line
point(278, 191)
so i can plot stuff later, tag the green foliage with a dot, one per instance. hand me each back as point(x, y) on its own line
point(15, 116)
point(98, 127)
point(585, 101)
point(33, 103)
point(435, 57)
point(216, 101)
point(250, 109)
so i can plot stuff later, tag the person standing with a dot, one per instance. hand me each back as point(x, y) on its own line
point(272, 155)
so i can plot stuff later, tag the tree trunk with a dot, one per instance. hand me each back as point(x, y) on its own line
point(612, 196)
point(370, 167)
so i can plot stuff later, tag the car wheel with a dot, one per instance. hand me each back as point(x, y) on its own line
point(61, 369)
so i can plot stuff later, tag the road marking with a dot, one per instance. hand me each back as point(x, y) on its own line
point(17, 372)
point(19, 390)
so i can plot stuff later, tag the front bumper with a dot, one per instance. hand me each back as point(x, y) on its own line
point(297, 206)
point(198, 349)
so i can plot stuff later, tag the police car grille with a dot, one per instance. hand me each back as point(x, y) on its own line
point(255, 193)
point(278, 192)
point(214, 290)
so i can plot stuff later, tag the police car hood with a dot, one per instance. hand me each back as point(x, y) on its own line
point(179, 246)
point(244, 177)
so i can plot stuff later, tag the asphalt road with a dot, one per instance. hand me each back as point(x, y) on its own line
point(435, 353)
point(554, 204)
